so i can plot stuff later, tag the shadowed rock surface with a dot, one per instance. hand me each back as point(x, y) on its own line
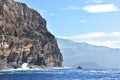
point(24, 38)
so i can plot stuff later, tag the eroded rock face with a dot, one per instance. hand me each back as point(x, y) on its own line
point(25, 38)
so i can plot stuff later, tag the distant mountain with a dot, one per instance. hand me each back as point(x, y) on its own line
point(76, 53)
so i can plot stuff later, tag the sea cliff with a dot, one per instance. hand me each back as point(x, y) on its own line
point(24, 38)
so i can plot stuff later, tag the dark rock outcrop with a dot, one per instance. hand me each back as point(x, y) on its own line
point(78, 67)
point(25, 38)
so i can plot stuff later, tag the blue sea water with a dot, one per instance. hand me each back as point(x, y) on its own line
point(61, 74)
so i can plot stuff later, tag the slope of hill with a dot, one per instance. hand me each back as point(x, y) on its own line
point(76, 53)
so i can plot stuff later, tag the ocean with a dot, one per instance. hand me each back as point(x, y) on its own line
point(61, 74)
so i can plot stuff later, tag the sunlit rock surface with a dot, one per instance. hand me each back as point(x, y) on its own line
point(24, 38)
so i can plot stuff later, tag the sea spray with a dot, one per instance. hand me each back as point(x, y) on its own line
point(25, 66)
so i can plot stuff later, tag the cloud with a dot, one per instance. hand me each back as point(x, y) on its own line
point(42, 12)
point(97, 38)
point(45, 12)
point(101, 8)
point(94, 35)
point(95, 1)
point(72, 8)
point(52, 14)
point(90, 35)
point(81, 21)
point(112, 44)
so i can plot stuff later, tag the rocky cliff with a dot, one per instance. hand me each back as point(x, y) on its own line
point(24, 38)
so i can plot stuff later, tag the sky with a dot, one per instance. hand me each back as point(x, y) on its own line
point(93, 21)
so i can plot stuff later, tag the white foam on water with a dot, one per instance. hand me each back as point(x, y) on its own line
point(25, 66)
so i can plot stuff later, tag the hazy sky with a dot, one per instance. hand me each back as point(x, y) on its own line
point(92, 21)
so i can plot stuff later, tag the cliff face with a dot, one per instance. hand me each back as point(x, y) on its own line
point(25, 38)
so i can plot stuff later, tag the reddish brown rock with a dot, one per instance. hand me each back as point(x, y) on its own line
point(25, 38)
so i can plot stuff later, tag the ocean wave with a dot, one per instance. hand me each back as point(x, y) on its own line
point(61, 74)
